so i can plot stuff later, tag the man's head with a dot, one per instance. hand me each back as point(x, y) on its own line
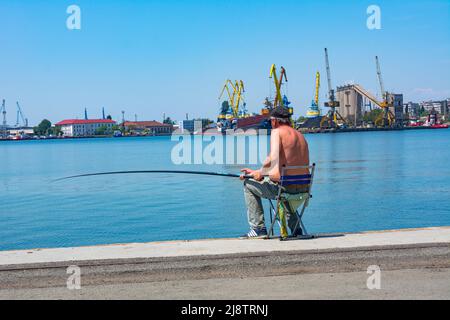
point(279, 116)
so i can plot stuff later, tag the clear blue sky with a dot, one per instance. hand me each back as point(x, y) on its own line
point(150, 57)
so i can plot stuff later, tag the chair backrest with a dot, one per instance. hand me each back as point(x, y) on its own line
point(302, 180)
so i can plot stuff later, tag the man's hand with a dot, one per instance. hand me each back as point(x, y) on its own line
point(246, 172)
point(255, 174)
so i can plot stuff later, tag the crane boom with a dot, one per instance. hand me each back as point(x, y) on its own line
point(235, 92)
point(330, 88)
point(380, 78)
point(367, 94)
point(20, 113)
point(316, 96)
point(387, 119)
point(226, 88)
point(239, 91)
point(333, 116)
point(278, 83)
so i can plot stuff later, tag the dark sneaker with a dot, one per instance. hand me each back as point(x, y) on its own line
point(257, 233)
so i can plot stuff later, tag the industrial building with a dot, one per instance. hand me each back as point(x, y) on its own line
point(80, 128)
point(352, 104)
point(153, 127)
point(355, 101)
point(397, 107)
point(411, 110)
point(441, 107)
point(194, 125)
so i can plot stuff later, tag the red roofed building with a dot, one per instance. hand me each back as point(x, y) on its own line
point(154, 127)
point(80, 128)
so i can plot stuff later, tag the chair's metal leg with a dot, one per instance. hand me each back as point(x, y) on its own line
point(297, 224)
point(271, 212)
point(299, 219)
point(272, 221)
point(291, 212)
point(305, 234)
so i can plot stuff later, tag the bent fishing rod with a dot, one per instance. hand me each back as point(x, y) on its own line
point(217, 174)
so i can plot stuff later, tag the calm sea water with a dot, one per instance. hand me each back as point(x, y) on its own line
point(364, 181)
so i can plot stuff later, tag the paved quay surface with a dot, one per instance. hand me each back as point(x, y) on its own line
point(415, 264)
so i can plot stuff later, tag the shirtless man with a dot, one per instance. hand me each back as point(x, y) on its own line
point(288, 147)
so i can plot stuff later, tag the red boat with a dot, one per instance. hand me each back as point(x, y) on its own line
point(439, 126)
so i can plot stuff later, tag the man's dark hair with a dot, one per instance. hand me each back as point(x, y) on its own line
point(280, 113)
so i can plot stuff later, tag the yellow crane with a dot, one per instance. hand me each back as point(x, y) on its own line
point(235, 91)
point(387, 118)
point(278, 82)
point(316, 96)
point(231, 93)
point(239, 85)
point(230, 89)
point(314, 110)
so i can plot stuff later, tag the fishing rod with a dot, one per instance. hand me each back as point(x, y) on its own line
point(217, 174)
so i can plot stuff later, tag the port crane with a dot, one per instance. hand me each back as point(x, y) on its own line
point(314, 110)
point(331, 119)
point(226, 87)
point(386, 118)
point(4, 113)
point(239, 85)
point(22, 117)
point(316, 94)
point(278, 81)
point(279, 100)
point(230, 89)
point(4, 125)
point(235, 91)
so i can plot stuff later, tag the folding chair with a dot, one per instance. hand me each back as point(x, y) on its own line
point(288, 203)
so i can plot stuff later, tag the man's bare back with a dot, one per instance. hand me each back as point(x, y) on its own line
point(288, 147)
point(293, 150)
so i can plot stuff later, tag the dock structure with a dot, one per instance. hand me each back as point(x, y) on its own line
point(364, 129)
point(331, 266)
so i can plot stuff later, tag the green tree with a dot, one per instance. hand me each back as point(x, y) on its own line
point(116, 128)
point(168, 121)
point(43, 127)
point(371, 116)
point(56, 131)
point(101, 131)
point(423, 112)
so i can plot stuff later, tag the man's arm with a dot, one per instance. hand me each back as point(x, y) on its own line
point(272, 160)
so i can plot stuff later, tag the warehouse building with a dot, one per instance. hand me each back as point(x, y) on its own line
point(82, 128)
point(355, 101)
point(152, 127)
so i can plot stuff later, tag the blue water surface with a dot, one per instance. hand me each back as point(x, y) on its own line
point(364, 181)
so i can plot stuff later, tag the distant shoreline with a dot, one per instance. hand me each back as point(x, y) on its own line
point(87, 137)
point(303, 131)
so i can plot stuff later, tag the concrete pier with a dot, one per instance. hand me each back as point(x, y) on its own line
point(414, 263)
